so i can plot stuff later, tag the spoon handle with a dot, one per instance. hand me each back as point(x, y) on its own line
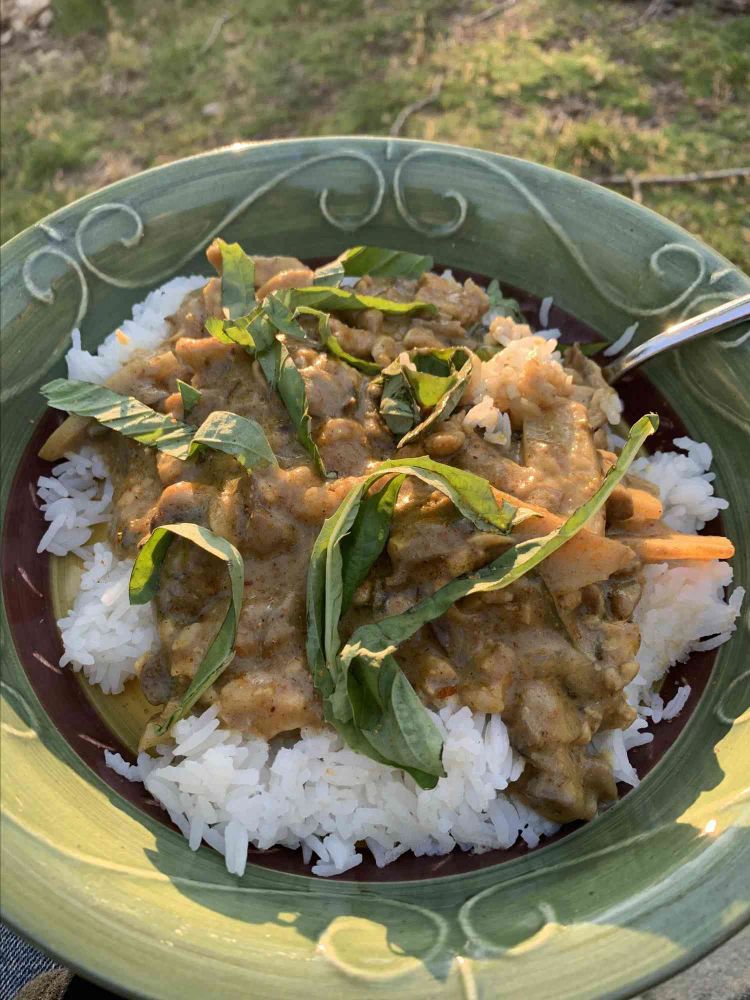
point(712, 321)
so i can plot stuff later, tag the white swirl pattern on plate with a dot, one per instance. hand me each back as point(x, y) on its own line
point(78, 258)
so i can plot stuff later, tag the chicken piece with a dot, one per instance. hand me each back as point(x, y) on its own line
point(298, 277)
point(566, 783)
point(444, 443)
point(200, 353)
point(183, 501)
point(265, 705)
point(136, 490)
point(431, 542)
point(355, 341)
point(267, 267)
point(385, 350)
point(344, 444)
point(420, 336)
point(465, 303)
point(394, 289)
point(332, 387)
point(559, 447)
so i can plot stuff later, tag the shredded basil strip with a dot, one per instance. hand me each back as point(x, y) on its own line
point(230, 433)
point(144, 584)
point(331, 274)
point(240, 437)
point(124, 414)
point(387, 634)
point(333, 299)
point(487, 351)
point(189, 395)
point(365, 694)
point(330, 344)
point(367, 537)
point(435, 384)
point(228, 331)
point(237, 279)
point(379, 263)
point(387, 723)
point(382, 263)
point(398, 408)
point(258, 334)
point(276, 307)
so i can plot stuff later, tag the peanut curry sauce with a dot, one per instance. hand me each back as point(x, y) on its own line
point(549, 653)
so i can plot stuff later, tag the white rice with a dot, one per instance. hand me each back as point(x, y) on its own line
point(524, 377)
point(544, 310)
point(326, 799)
point(74, 498)
point(622, 341)
point(494, 422)
point(147, 328)
point(103, 634)
point(229, 791)
point(682, 610)
point(685, 484)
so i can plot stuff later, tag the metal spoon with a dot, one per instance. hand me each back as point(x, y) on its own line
point(712, 321)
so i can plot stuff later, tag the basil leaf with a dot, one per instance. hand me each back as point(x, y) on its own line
point(276, 308)
point(144, 583)
point(257, 334)
point(472, 495)
point(332, 299)
point(262, 330)
point(283, 375)
point(330, 344)
point(234, 435)
point(291, 387)
point(427, 389)
point(237, 279)
point(221, 431)
point(367, 537)
point(329, 274)
point(228, 331)
point(382, 263)
point(381, 717)
point(438, 361)
point(504, 306)
point(443, 408)
point(371, 643)
point(124, 414)
point(393, 722)
point(188, 394)
point(436, 383)
point(398, 407)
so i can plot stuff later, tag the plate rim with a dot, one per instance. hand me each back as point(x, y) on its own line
point(709, 943)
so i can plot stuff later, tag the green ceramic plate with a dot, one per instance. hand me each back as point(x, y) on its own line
point(628, 899)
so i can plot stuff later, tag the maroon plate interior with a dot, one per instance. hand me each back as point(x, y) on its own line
point(26, 589)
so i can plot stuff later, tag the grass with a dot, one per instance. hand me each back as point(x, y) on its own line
point(119, 86)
